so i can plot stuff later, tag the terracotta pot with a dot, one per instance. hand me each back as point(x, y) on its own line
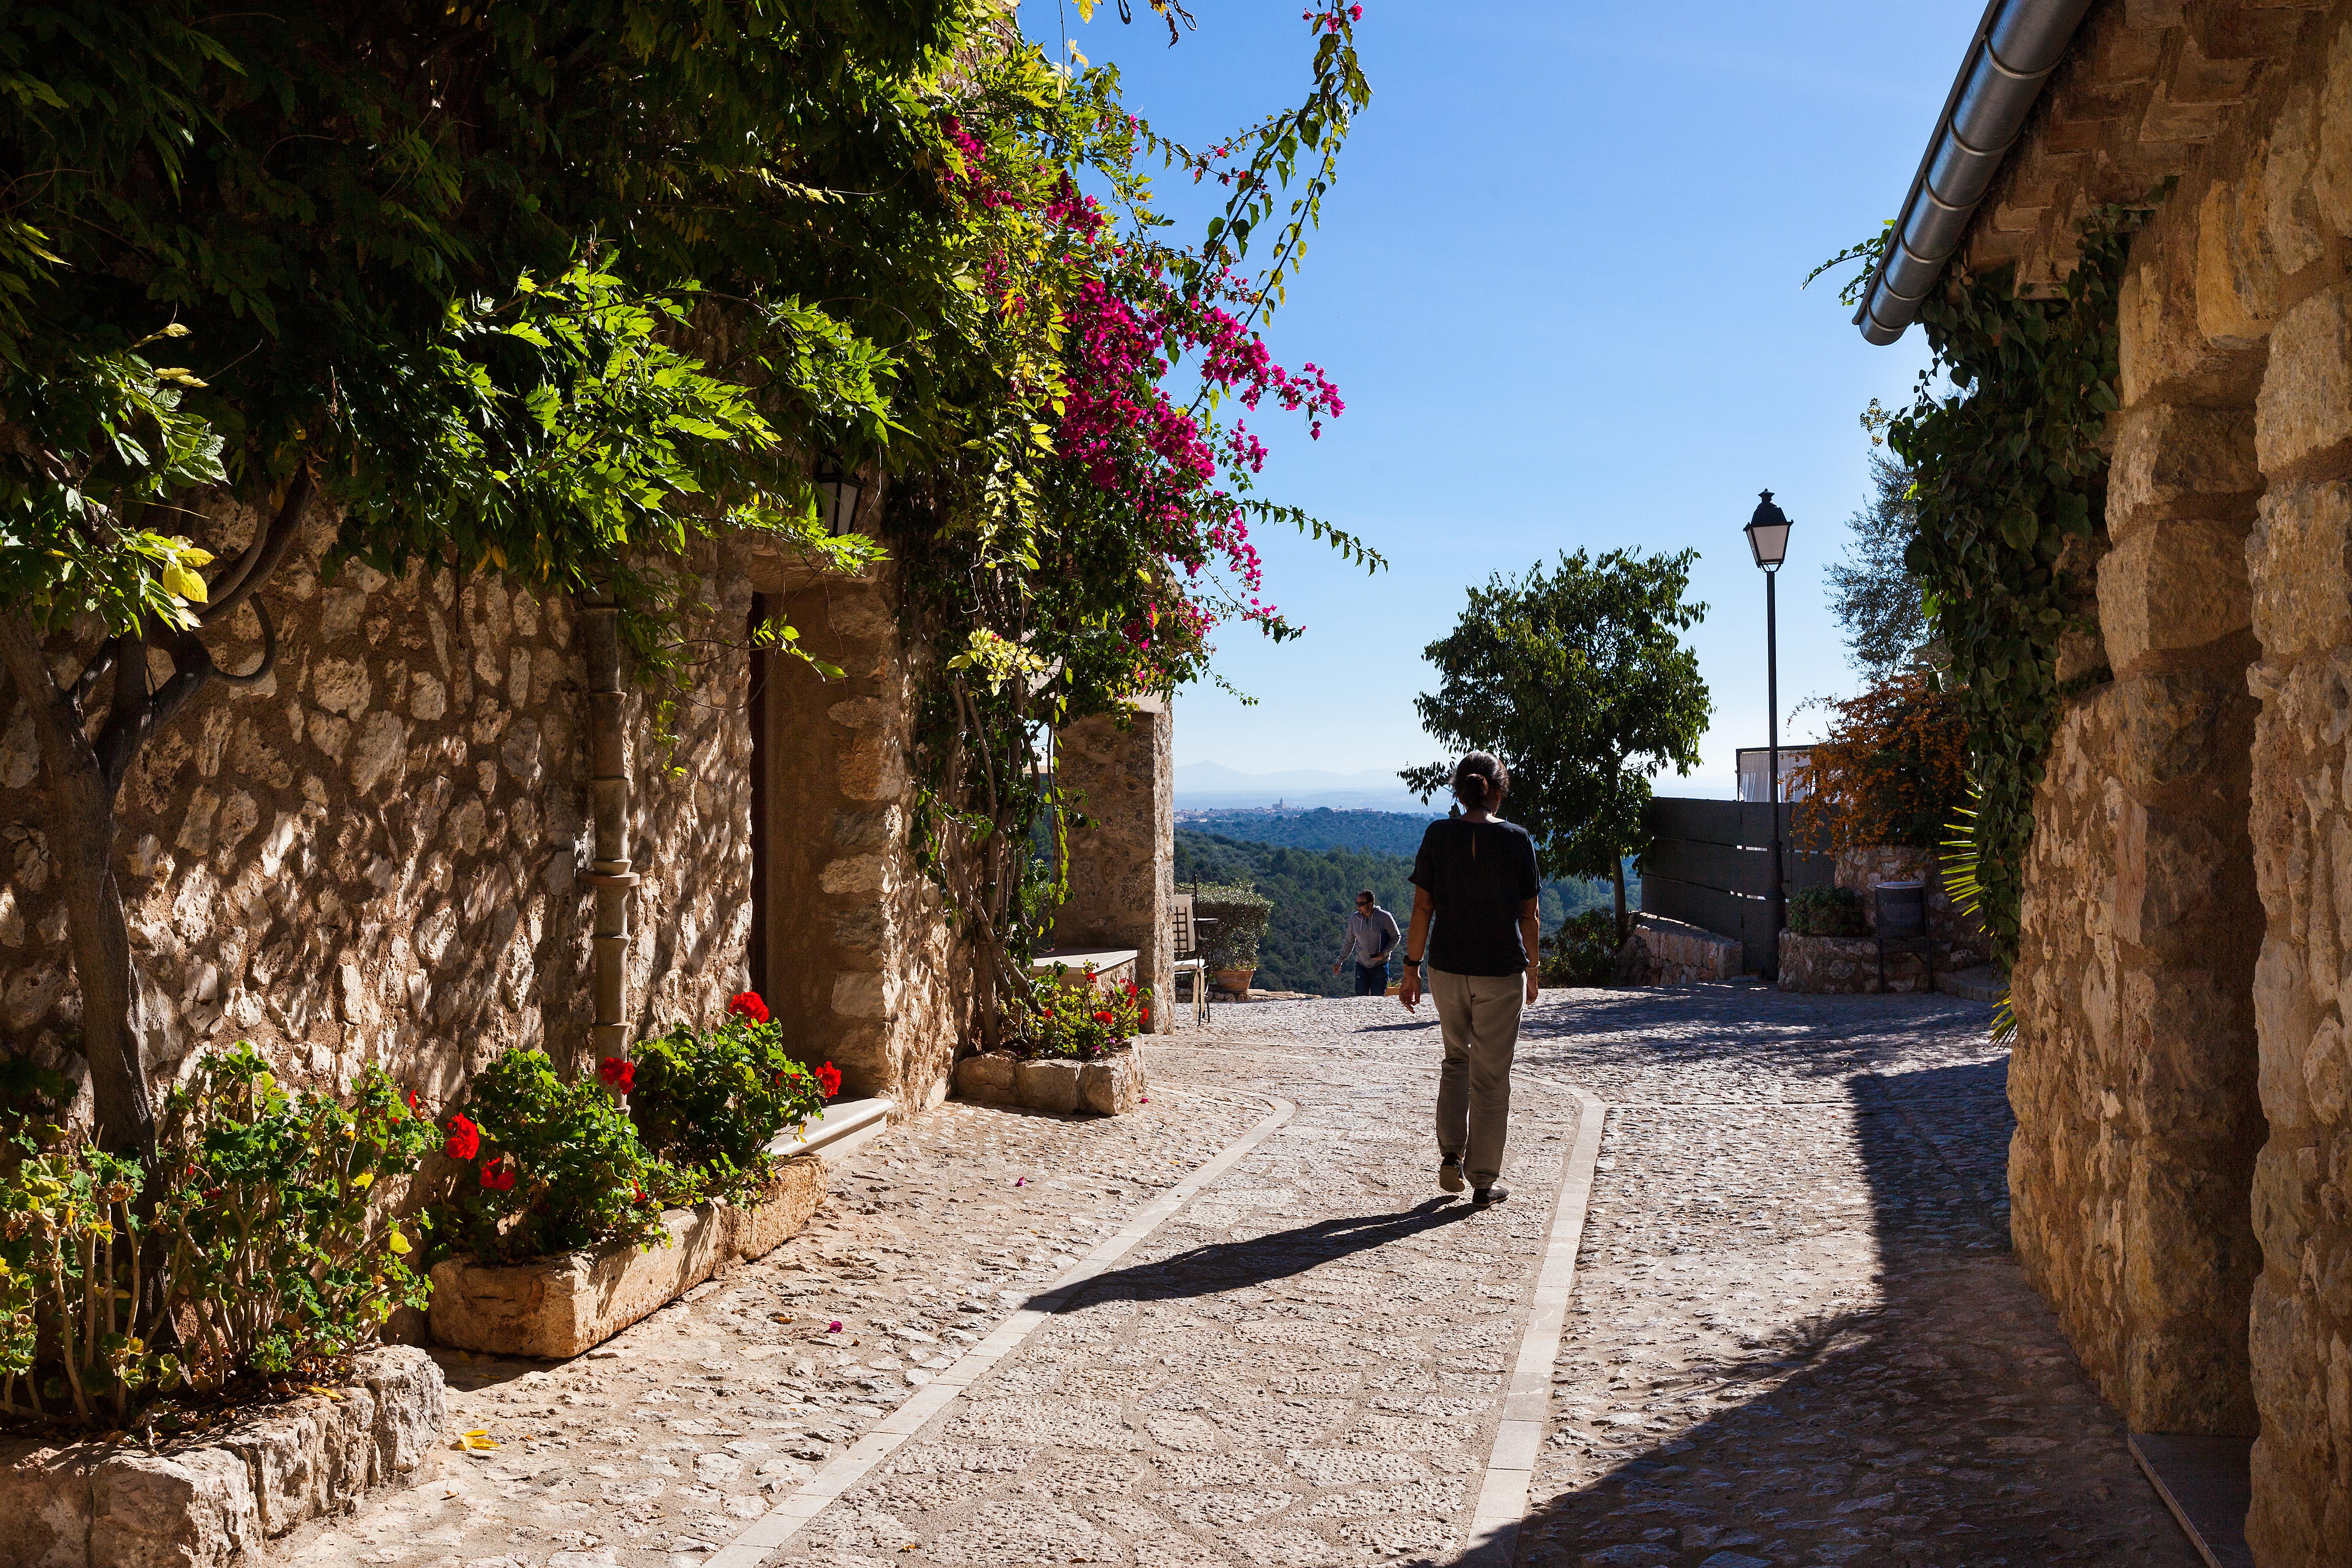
point(1236, 982)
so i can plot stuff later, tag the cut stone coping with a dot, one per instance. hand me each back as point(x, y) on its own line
point(204, 1504)
point(557, 1307)
point(2208, 1484)
point(1110, 1087)
point(845, 1126)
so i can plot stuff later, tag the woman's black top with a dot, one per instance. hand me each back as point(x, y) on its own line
point(1479, 875)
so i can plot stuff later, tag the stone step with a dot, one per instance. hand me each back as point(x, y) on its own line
point(1982, 984)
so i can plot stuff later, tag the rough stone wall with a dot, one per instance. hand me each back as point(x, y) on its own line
point(1121, 773)
point(859, 956)
point(1683, 954)
point(2133, 1080)
point(372, 856)
point(1860, 870)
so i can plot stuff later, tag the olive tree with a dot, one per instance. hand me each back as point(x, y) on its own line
point(1578, 679)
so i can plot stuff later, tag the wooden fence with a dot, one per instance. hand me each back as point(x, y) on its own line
point(1710, 864)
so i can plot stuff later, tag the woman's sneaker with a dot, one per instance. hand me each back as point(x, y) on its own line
point(1493, 1195)
point(1449, 1174)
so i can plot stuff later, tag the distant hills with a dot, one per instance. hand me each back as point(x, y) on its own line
point(1310, 864)
point(1207, 786)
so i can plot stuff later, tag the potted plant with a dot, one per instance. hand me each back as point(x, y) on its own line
point(1239, 914)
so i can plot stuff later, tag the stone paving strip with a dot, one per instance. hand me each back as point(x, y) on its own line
point(1308, 1364)
point(1794, 1334)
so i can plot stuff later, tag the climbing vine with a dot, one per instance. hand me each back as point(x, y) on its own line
point(2007, 472)
point(1080, 549)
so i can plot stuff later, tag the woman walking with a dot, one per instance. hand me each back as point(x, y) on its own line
point(1475, 874)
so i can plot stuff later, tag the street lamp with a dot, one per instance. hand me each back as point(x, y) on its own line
point(836, 498)
point(1767, 539)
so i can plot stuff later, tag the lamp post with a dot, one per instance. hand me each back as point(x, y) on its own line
point(1768, 537)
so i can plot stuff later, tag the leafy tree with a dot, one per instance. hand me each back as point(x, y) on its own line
point(1579, 680)
point(1874, 595)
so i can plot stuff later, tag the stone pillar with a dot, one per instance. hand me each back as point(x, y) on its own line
point(2300, 562)
point(1119, 773)
point(2174, 615)
point(862, 964)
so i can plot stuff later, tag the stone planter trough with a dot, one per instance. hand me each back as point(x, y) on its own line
point(203, 1504)
point(560, 1306)
point(1111, 1086)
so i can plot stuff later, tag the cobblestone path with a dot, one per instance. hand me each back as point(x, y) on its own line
point(1796, 1335)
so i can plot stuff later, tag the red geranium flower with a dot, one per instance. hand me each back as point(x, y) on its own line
point(1105, 1018)
point(412, 1099)
point(618, 1076)
point(828, 1078)
point(747, 1005)
point(465, 1139)
point(497, 1175)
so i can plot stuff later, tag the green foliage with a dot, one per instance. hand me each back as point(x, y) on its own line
point(1582, 952)
point(2008, 470)
point(558, 1166)
point(1314, 891)
point(1082, 1020)
point(1961, 859)
point(276, 1256)
point(1873, 593)
point(1240, 914)
point(263, 1250)
point(711, 1101)
point(1827, 911)
point(1580, 681)
point(1387, 833)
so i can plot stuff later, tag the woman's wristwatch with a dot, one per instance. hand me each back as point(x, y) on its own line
point(1412, 963)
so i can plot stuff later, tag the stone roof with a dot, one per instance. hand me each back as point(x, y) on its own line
point(2146, 87)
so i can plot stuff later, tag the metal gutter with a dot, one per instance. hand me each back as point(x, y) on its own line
point(2018, 44)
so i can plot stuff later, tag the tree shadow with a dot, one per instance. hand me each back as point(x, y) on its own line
point(1943, 1424)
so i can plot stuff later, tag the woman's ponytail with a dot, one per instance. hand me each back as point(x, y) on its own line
point(1479, 781)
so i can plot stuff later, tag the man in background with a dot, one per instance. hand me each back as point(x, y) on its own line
point(1372, 933)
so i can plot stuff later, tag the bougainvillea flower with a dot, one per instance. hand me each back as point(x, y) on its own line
point(616, 1075)
point(828, 1078)
point(833, 1327)
point(465, 1139)
point(498, 1176)
point(746, 1005)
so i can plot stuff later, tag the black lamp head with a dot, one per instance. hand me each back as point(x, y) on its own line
point(1768, 534)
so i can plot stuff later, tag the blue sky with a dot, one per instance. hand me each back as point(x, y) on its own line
point(1556, 284)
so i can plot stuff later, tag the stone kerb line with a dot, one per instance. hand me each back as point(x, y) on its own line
point(1510, 1467)
point(751, 1546)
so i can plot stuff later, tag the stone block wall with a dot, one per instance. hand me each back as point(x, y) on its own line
point(1120, 772)
point(375, 855)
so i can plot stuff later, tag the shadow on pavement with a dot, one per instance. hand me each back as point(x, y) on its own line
point(1236, 1265)
point(1946, 1424)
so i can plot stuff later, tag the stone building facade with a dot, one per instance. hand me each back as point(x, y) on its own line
point(383, 852)
point(2182, 1167)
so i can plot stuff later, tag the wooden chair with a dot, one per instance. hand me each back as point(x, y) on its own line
point(1186, 943)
